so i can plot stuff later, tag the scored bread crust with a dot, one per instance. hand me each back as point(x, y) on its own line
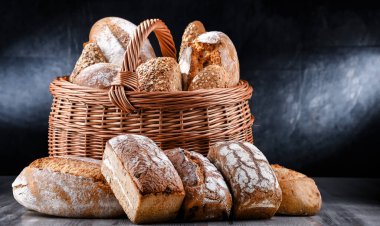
point(212, 76)
point(66, 187)
point(207, 195)
point(300, 194)
point(100, 75)
point(255, 189)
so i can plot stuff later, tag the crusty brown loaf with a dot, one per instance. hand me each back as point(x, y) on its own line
point(255, 189)
point(112, 35)
point(159, 74)
point(142, 178)
point(100, 75)
point(193, 30)
point(210, 48)
point(300, 194)
point(91, 54)
point(212, 76)
point(67, 187)
point(207, 195)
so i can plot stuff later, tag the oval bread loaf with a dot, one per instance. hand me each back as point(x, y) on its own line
point(212, 76)
point(98, 76)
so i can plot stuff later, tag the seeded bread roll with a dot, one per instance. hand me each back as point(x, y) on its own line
point(112, 35)
point(207, 195)
point(210, 48)
point(142, 178)
point(66, 187)
point(212, 76)
point(300, 194)
point(255, 189)
point(98, 76)
point(159, 74)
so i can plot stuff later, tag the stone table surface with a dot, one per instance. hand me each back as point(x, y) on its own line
point(346, 201)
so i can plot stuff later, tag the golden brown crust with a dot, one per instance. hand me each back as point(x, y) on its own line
point(212, 76)
point(193, 30)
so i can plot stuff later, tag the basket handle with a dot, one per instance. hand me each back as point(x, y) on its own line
point(127, 77)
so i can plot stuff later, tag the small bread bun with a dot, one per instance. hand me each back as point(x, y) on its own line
point(300, 194)
point(98, 76)
point(210, 48)
point(112, 35)
point(212, 76)
point(193, 30)
point(159, 74)
point(91, 54)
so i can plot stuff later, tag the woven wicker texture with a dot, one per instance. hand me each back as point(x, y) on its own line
point(83, 119)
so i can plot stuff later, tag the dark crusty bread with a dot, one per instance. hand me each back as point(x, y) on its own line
point(255, 189)
point(300, 194)
point(67, 187)
point(207, 195)
point(142, 178)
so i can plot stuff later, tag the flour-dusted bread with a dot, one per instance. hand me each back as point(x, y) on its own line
point(112, 35)
point(210, 48)
point(300, 194)
point(142, 178)
point(207, 195)
point(192, 31)
point(159, 74)
point(66, 187)
point(255, 189)
point(212, 76)
point(100, 75)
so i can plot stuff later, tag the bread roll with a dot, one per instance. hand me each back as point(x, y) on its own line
point(207, 195)
point(112, 35)
point(98, 76)
point(142, 178)
point(192, 31)
point(159, 74)
point(212, 76)
point(91, 54)
point(300, 194)
point(255, 189)
point(210, 48)
point(66, 187)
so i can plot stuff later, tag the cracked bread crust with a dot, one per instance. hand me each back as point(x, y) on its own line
point(255, 189)
point(207, 195)
point(193, 30)
point(99, 76)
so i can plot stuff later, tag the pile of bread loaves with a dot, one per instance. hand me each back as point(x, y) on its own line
point(150, 185)
point(207, 60)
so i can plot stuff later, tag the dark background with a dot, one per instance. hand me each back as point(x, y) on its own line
point(315, 69)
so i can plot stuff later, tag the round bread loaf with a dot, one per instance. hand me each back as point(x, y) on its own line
point(66, 187)
point(159, 74)
point(300, 194)
point(255, 189)
point(207, 195)
point(112, 35)
point(212, 76)
point(98, 76)
point(210, 48)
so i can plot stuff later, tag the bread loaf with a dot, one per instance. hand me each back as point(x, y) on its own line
point(207, 195)
point(300, 194)
point(142, 178)
point(112, 35)
point(98, 76)
point(66, 187)
point(255, 189)
point(192, 31)
point(159, 74)
point(212, 76)
point(210, 48)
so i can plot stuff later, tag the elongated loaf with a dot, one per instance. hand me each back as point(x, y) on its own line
point(255, 189)
point(142, 178)
point(66, 187)
point(300, 194)
point(207, 195)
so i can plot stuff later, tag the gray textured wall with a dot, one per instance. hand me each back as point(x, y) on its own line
point(314, 67)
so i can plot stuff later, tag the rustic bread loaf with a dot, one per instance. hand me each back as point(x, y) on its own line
point(66, 187)
point(112, 35)
point(91, 54)
point(159, 74)
point(255, 189)
point(210, 48)
point(100, 75)
point(192, 31)
point(207, 195)
point(300, 194)
point(142, 178)
point(212, 76)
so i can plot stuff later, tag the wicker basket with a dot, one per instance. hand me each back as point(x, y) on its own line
point(83, 119)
